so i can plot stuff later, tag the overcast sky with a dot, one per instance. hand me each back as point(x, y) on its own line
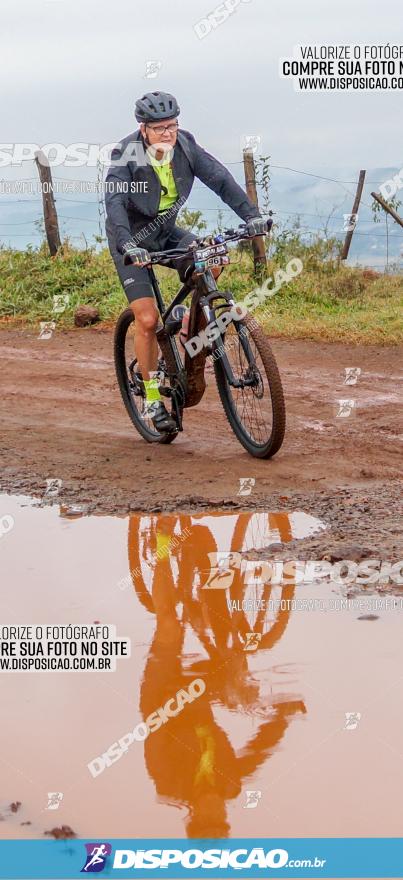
point(72, 70)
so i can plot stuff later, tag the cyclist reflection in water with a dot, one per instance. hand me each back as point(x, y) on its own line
point(190, 758)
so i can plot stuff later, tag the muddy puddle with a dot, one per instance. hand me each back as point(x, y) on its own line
point(240, 711)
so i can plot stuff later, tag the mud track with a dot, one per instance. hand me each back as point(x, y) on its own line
point(62, 417)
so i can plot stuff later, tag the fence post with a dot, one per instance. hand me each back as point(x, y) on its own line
point(259, 251)
point(356, 205)
point(387, 208)
point(49, 207)
point(101, 203)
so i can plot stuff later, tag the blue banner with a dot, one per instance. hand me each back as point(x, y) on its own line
point(240, 857)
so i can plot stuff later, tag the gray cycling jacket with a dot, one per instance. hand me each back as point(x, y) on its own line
point(131, 208)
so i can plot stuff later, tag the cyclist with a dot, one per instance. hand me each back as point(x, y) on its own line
point(143, 197)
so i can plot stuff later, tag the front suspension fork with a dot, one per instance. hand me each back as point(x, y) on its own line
point(211, 292)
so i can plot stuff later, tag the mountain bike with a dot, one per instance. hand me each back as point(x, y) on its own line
point(188, 566)
point(245, 368)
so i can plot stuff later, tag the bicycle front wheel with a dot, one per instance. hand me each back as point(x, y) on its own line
point(255, 411)
point(130, 381)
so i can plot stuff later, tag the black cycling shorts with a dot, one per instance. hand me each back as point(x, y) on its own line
point(135, 280)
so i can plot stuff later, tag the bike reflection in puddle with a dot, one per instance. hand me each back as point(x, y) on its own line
point(190, 758)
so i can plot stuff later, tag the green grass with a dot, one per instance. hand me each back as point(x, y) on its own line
point(348, 306)
point(325, 302)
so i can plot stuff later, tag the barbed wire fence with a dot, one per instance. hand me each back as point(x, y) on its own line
point(332, 221)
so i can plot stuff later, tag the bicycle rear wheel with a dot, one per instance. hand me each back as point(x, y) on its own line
point(130, 382)
point(256, 412)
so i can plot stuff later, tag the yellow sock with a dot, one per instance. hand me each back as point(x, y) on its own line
point(152, 390)
point(163, 543)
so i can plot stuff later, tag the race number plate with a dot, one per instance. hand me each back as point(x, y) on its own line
point(206, 258)
point(202, 265)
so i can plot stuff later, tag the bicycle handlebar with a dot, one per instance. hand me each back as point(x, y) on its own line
point(228, 235)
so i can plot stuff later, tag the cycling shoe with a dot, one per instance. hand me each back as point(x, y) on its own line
point(160, 417)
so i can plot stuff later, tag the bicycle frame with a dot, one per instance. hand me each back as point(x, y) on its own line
point(177, 300)
point(206, 283)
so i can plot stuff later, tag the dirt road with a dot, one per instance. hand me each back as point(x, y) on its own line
point(62, 418)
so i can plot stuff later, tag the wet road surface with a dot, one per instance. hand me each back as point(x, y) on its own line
point(297, 731)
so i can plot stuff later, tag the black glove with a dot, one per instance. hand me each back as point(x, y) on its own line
point(256, 226)
point(133, 255)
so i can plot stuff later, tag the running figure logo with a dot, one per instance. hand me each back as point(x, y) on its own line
point(246, 485)
point(221, 570)
point(252, 799)
point(252, 641)
point(97, 854)
point(54, 800)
